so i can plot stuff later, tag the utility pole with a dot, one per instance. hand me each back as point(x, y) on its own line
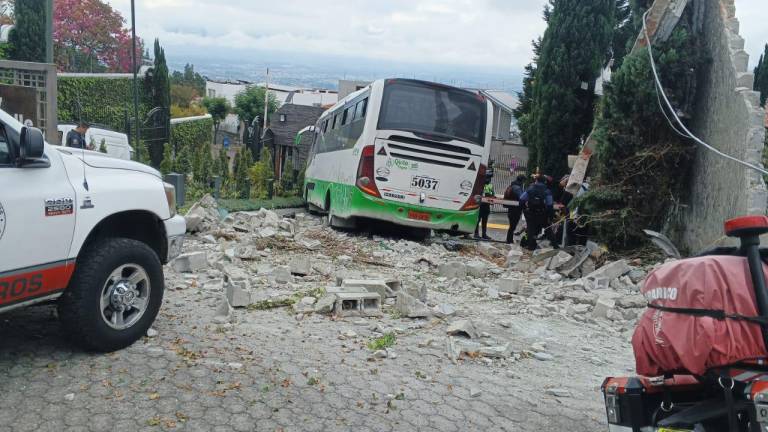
point(49, 31)
point(266, 103)
point(136, 142)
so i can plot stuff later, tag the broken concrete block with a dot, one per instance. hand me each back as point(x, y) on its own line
point(357, 304)
point(237, 296)
point(190, 262)
point(282, 274)
point(375, 286)
point(287, 226)
point(603, 307)
point(489, 250)
point(509, 285)
point(465, 328)
point(514, 256)
point(224, 312)
point(420, 292)
point(453, 269)
point(559, 260)
point(611, 270)
point(542, 255)
point(409, 306)
point(305, 305)
point(477, 269)
point(193, 222)
point(632, 301)
point(310, 244)
point(636, 275)
point(444, 310)
point(492, 293)
point(325, 304)
point(500, 351)
point(267, 232)
point(301, 265)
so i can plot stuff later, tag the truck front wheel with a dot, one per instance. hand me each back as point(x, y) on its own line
point(114, 295)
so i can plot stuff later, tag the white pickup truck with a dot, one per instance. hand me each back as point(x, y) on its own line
point(87, 230)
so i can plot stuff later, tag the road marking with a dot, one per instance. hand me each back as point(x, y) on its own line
point(498, 226)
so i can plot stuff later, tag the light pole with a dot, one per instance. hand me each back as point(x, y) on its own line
point(136, 142)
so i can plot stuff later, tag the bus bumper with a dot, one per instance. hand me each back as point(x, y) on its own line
point(412, 215)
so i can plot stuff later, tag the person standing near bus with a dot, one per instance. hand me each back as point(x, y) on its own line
point(537, 204)
point(514, 213)
point(485, 209)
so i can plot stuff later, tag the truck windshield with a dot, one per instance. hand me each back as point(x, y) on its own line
point(446, 112)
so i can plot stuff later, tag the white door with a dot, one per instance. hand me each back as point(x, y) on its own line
point(37, 220)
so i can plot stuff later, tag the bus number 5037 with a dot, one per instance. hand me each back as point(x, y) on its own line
point(422, 182)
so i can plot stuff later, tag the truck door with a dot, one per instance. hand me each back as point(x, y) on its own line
point(37, 220)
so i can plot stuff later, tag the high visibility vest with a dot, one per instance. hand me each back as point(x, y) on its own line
point(488, 190)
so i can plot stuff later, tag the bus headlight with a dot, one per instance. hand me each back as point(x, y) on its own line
point(170, 195)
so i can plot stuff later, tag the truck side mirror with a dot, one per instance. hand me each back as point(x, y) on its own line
point(32, 143)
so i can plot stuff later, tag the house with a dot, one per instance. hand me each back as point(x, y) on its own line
point(283, 94)
point(285, 123)
point(347, 87)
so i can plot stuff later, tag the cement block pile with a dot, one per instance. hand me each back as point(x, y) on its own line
point(253, 261)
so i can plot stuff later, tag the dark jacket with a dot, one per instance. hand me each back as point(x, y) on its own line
point(541, 188)
point(76, 140)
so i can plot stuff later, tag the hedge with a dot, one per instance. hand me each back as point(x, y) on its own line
point(191, 134)
point(107, 101)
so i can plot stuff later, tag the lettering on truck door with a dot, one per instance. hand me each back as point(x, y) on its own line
point(37, 220)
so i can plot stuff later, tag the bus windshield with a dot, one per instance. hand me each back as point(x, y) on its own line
point(441, 111)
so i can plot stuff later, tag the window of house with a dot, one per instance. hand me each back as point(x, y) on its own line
point(283, 117)
point(211, 93)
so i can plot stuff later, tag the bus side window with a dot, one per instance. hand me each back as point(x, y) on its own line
point(360, 109)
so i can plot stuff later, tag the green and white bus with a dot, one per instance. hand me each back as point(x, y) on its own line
point(410, 152)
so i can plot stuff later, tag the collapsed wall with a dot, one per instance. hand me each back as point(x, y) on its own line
point(729, 117)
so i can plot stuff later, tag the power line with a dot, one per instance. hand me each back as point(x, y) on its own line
point(688, 133)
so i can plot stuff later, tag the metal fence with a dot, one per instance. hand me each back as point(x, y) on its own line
point(506, 168)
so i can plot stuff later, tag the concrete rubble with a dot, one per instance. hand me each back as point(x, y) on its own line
point(443, 289)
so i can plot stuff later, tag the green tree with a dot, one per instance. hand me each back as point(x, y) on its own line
point(574, 49)
point(223, 165)
point(261, 174)
point(249, 104)
point(27, 39)
point(242, 179)
point(161, 97)
point(167, 165)
point(103, 146)
point(640, 160)
point(761, 76)
point(182, 95)
point(218, 108)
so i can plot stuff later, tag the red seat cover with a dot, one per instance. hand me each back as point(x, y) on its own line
point(667, 342)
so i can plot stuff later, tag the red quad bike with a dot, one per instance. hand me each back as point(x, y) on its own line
point(703, 338)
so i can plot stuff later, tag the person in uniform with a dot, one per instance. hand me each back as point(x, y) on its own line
point(76, 137)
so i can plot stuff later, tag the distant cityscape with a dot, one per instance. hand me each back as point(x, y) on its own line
point(326, 74)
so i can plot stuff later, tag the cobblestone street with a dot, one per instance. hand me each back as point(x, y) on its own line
point(273, 370)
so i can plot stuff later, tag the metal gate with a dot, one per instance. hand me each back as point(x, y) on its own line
point(506, 167)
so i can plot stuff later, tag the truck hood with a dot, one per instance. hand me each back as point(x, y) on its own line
point(101, 160)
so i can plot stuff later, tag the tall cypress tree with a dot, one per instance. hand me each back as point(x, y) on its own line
point(161, 97)
point(27, 39)
point(761, 76)
point(574, 49)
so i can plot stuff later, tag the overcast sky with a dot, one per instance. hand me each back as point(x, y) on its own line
point(485, 33)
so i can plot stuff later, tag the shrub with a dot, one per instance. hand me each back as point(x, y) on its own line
point(261, 174)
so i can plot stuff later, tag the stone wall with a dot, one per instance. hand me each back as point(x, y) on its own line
point(728, 117)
